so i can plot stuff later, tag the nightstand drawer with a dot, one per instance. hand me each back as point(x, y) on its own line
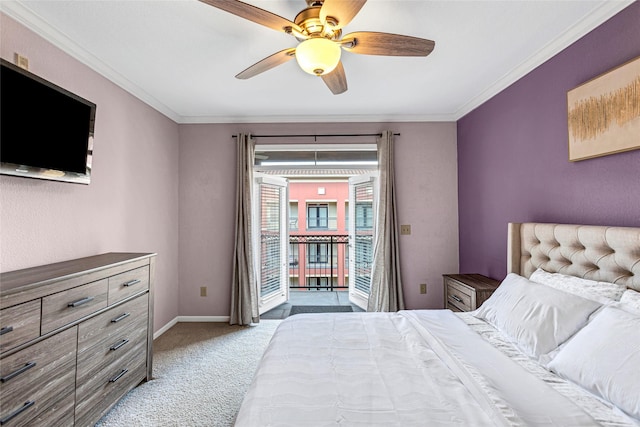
point(466, 292)
point(452, 308)
point(459, 296)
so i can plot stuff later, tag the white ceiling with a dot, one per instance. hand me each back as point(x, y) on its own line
point(181, 56)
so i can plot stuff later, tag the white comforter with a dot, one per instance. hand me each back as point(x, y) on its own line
point(411, 368)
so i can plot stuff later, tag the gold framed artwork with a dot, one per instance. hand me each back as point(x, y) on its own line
point(604, 113)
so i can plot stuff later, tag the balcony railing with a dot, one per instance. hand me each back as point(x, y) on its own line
point(318, 262)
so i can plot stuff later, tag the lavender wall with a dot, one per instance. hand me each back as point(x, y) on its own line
point(131, 204)
point(513, 156)
point(427, 197)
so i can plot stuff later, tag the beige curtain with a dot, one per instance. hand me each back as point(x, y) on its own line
point(386, 282)
point(244, 287)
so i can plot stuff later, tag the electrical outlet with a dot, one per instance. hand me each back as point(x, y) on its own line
point(423, 288)
point(203, 291)
point(405, 229)
point(21, 61)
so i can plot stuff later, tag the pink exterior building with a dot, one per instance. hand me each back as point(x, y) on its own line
point(318, 229)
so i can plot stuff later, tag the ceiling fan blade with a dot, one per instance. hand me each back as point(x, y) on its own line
point(268, 63)
point(255, 14)
point(373, 43)
point(336, 80)
point(342, 11)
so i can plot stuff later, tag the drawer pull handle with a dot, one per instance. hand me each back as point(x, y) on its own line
point(121, 317)
point(80, 302)
point(6, 330)
point(457, 298)
point(17, 412)
point(118, 345)
point(17, 372)
point(117, 377)
point(131, 283)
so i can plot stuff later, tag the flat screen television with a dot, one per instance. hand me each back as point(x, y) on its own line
point(46, 132)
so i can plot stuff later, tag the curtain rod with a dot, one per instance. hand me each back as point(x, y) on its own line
point(317, 136)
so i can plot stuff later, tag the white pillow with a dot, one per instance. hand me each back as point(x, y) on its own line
point(585, 288)
point(631, 298)
point(604, 358)
point(537, 318)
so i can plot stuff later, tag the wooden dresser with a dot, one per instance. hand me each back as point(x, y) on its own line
point(75, 336)
point(466, 292)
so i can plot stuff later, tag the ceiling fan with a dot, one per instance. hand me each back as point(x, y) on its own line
point(318, 28)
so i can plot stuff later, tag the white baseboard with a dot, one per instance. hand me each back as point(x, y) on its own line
point(185, 319)
point(165, 328)
point(203, 318)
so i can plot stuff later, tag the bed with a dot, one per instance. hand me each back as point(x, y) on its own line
point(558, 344)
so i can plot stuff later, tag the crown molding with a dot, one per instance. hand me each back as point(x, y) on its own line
point(35, 23)
point(605, 11)
point(320, 119)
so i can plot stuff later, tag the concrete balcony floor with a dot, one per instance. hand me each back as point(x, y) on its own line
point(309, 298)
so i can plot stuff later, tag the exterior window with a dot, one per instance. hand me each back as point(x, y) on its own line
point(293, 216)
point(318, 253)
point(346, 216)
point(318, 216)
point(293, 254)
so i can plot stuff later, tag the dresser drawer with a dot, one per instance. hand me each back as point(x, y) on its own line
point(19, 324)
point(100, 391)
point(459, 296)
point(68, 306)
point(44, 374)
point(98, 360)
point(128, 283)
point(106, 351)
point(111, 324)
point(60, 413)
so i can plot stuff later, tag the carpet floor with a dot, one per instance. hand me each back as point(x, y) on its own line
point(201, 372)
point(297, 309)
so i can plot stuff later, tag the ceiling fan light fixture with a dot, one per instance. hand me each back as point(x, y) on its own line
point(318, 56)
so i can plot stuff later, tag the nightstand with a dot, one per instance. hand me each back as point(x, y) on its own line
point(466, 292)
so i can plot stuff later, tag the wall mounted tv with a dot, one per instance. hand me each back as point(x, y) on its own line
point(46, 132)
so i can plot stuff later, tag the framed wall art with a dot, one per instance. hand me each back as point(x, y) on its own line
point(604, 113)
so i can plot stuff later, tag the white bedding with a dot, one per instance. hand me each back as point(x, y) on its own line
point(603, 412)
point(411, 368)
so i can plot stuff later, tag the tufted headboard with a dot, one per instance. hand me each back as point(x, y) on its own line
point(606, 254)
